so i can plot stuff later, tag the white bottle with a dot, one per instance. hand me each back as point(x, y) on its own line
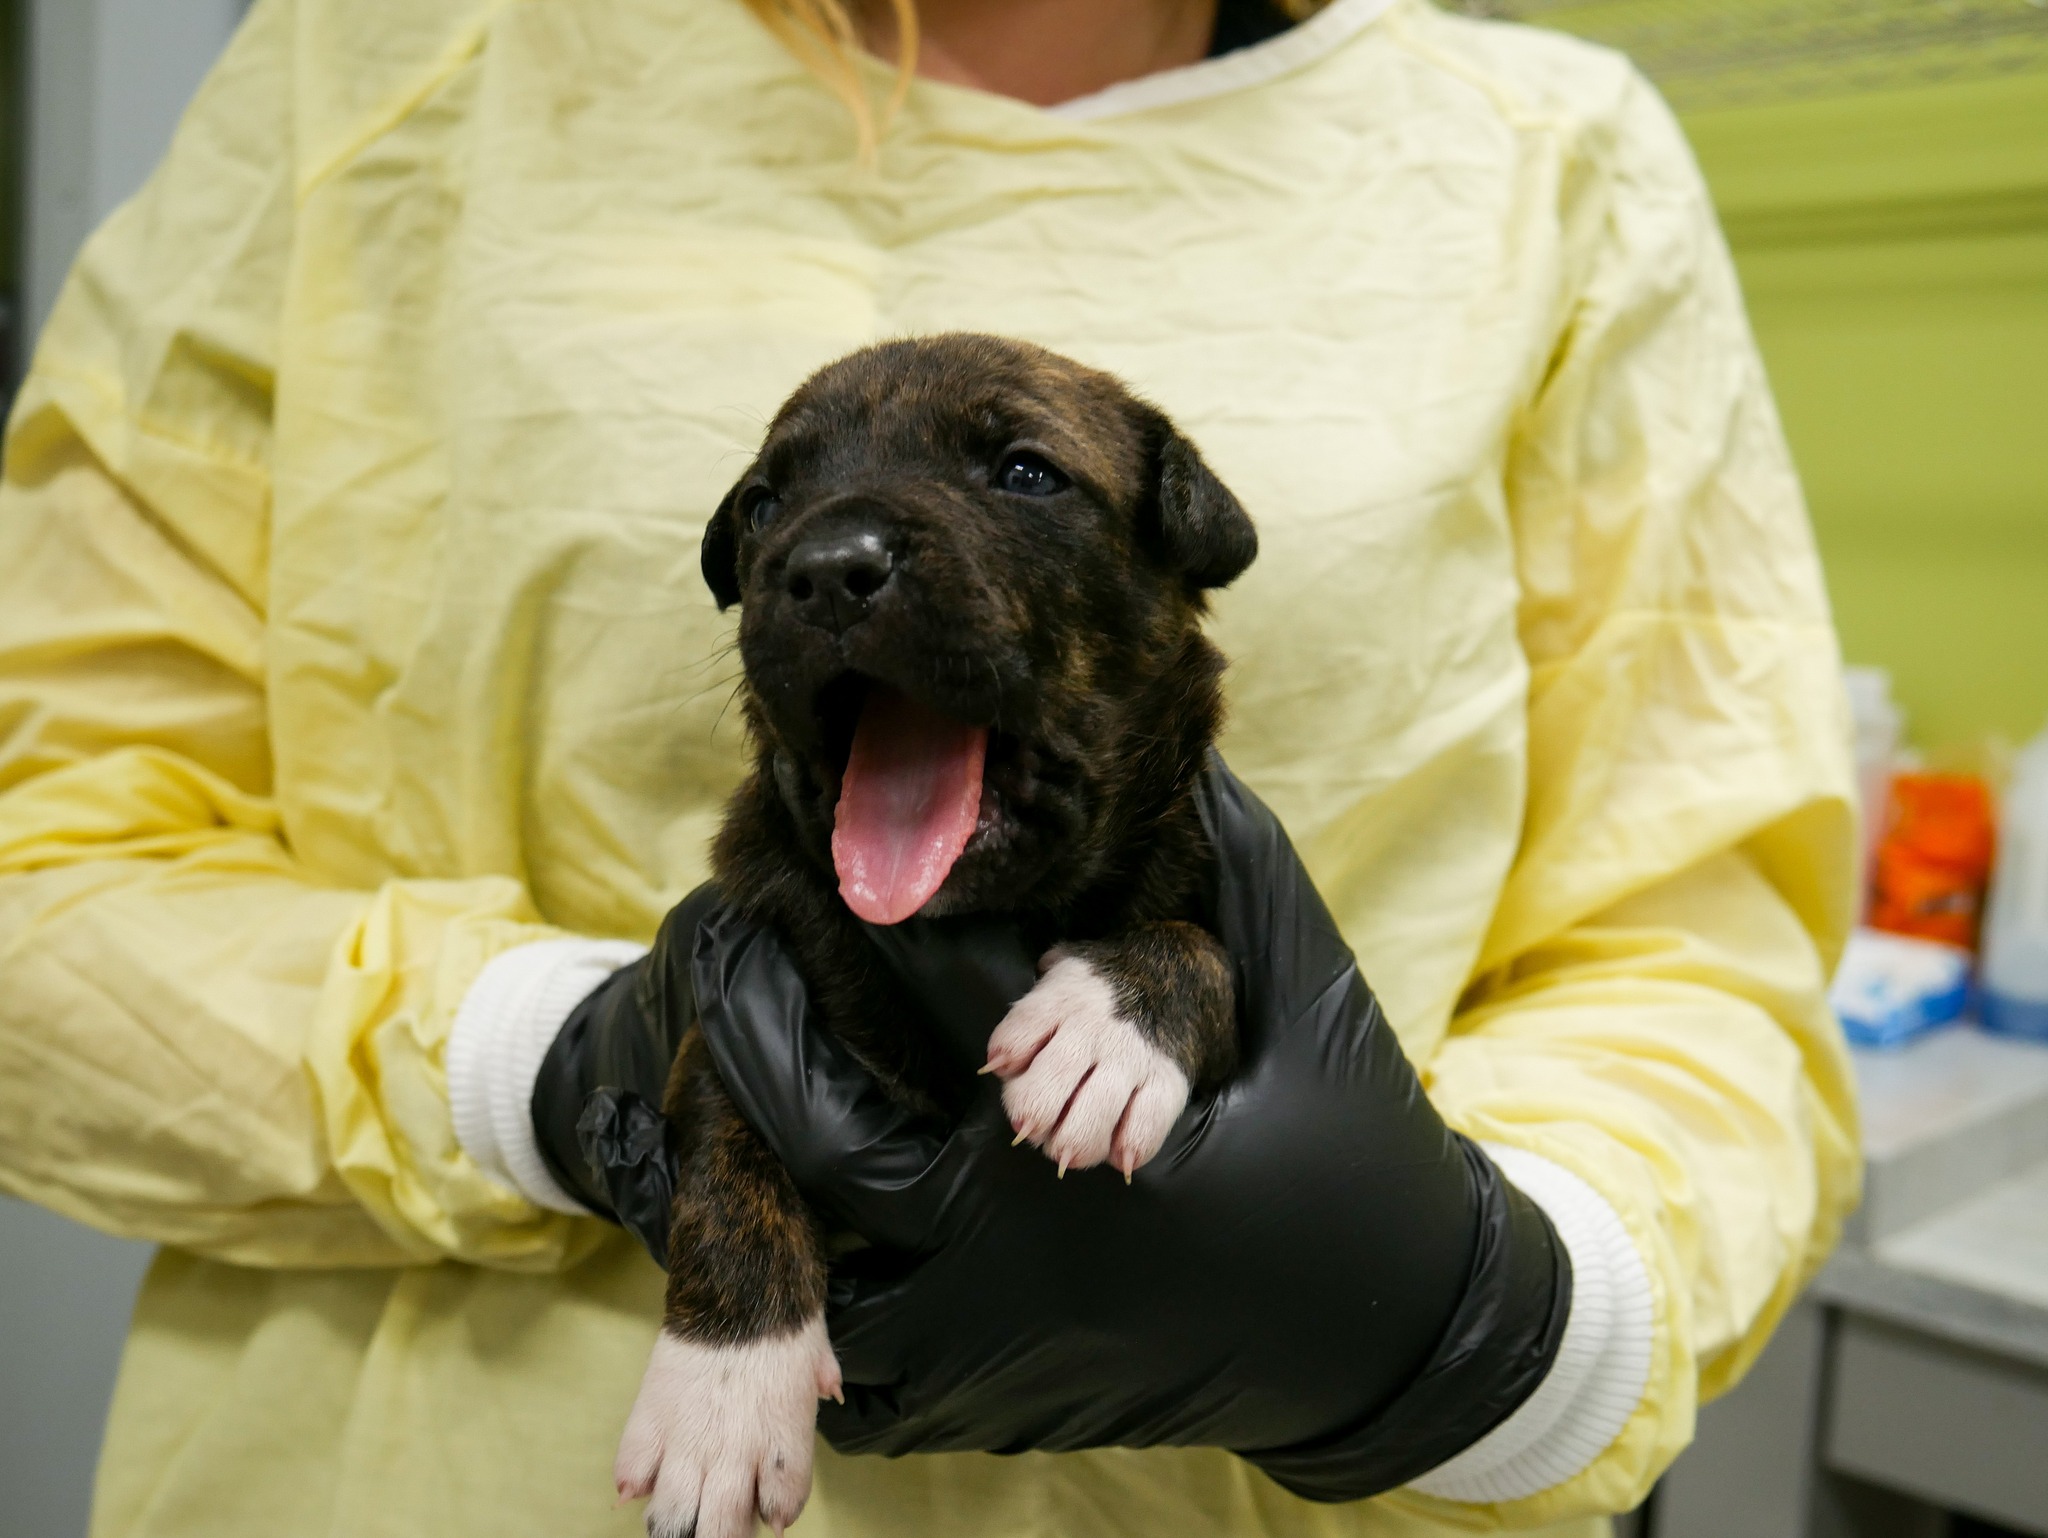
point(2015, 971)
point(1880, 730)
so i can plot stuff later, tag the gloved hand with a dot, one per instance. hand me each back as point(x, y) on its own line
point(1313, 1272)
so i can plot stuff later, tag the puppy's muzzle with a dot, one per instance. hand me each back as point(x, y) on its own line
point(835, 580)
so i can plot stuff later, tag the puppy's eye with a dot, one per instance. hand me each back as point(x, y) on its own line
point(760, 506)
point(1026, 474)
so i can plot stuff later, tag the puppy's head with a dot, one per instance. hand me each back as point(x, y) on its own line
point(971, 578)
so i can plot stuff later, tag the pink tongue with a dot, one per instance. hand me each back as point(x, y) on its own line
point(907, 806)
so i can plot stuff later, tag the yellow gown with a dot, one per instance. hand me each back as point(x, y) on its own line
point(351, 633)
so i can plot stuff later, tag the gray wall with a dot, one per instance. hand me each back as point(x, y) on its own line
point(108, 80)
point(65, 1296)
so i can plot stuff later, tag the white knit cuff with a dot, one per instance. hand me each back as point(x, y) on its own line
point(503, 1028)
point(1602, 1364)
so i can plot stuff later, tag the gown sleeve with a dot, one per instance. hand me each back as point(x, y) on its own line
point(203, 1042)
point(1650, 1007)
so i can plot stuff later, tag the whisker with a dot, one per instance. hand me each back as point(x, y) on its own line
point(722, 709)
point(731, 681)
point(716, 655)
point(995, 684)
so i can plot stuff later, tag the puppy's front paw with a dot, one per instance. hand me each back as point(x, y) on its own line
point(720, 1433)
point(1082, 1082)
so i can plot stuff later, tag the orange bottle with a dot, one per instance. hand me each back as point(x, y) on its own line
point(1935, 858)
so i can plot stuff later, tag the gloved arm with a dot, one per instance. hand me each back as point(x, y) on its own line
point(1649, 1008)
point(1313, 1272)
point(205, 1039)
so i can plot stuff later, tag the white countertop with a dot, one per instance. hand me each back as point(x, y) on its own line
point(1945, 1081)
point(1996, 1242)
point(1952, 1238)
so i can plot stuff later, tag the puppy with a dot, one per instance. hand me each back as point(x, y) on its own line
point(970, 575)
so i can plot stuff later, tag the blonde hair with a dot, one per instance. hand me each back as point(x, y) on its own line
point(826, 39)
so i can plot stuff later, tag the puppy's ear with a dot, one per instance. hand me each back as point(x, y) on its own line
point(720, 557)
point(1206, 533)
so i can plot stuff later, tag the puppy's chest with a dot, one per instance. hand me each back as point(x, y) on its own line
point(883, 1021)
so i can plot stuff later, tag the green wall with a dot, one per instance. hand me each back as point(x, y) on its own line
point(1894, 249)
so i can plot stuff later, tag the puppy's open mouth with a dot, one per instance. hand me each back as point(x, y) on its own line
point(909, 798)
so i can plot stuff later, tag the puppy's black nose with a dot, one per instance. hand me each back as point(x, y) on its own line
point(835, 579)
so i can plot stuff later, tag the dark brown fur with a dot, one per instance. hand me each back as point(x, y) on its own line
point(1069, 624)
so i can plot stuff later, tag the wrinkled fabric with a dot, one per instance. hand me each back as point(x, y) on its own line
point(350, 633)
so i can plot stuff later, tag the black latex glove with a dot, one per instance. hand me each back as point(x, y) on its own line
point(1313, 1272)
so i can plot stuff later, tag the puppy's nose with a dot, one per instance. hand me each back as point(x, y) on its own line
point(835, 579)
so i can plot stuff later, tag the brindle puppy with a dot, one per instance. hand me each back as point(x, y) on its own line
point(971, 579)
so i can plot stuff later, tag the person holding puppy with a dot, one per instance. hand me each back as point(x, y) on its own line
point(364, 709)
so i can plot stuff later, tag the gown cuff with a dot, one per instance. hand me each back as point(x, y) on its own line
point(1602, 1365)
point(503, 1028)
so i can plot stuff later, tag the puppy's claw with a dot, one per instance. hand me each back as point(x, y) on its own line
point(633, 1487)
point(831, 1385)
point(1019, 1138)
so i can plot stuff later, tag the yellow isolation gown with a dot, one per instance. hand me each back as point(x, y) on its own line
point(351, 633)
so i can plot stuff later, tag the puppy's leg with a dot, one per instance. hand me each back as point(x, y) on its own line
point(723, 1426)
point(1098, 1059)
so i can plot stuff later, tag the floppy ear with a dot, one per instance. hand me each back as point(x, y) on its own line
point(721, 554)
point(1207, 534)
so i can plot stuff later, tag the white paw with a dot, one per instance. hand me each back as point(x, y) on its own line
point(721, 1433)
point(1082, 1082)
